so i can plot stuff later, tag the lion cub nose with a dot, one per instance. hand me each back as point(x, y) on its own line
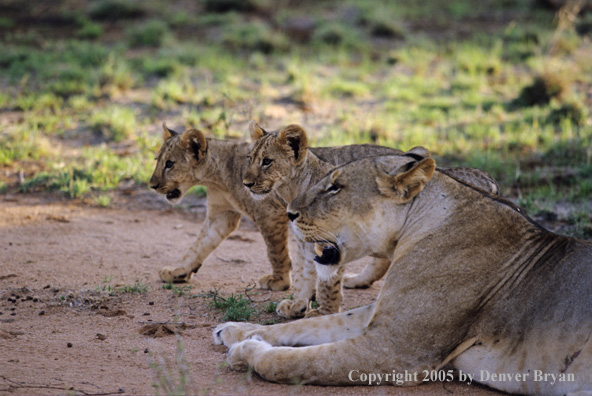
point(293, 216)
point(248, 184)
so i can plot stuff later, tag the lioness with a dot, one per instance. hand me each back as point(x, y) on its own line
point(473, 282)
point(281, 162)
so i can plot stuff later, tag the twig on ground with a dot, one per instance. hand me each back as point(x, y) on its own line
point(14, 385)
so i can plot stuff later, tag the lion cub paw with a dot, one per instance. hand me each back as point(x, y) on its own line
point(174, 275)
point(354, 281)
point(311, 313)
point(230, 333)
point(275, 283)
point(292, 308)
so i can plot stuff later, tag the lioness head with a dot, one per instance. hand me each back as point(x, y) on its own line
point(342, 212)
point(178, 162)
point(273, 158)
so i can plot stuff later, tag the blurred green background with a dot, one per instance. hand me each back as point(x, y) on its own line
point(502, 85)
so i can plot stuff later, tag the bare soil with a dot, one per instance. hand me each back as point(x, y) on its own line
point(66, 326)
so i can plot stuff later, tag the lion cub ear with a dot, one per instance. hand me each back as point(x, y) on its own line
point(295, 138)
point(196, 143)
point(256, 131)
point(403, 187)
point(167, 133)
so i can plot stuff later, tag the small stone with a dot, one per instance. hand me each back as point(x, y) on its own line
point(146, 313)
point(151, 303)
point(41, 313)
point(69, 345)
point(146, 350)
point(35, 299)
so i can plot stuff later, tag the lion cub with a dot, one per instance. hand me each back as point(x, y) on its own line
point(282, 162)
point(189, 159)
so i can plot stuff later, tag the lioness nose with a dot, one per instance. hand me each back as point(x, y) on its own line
point(248, 184)
point(293, 216)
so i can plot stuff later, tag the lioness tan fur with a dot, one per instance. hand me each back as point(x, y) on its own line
point(281, 162)
point(473, 282)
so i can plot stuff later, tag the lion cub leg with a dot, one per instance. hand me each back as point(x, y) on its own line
point(215, 229)
point(274, 228)
point(370, 274)
point(304, 277)
point(305, 332)
point(329, 294)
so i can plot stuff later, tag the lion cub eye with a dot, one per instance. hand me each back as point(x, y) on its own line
point(169, 164)
point(266, 162)
point(333, 188)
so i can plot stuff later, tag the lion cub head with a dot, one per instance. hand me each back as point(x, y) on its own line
point(179, 162)
point(274, 158)
point(347, 212)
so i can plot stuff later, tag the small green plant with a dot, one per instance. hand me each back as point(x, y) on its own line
point(106, 286)
point(270, 307)
point(89, 30)
point(138, 287)
point(115, 9)
point(114, 123)
point(104, 200)
point(236, 308)
point(175, 381)
point(148, 34)
point(544, 88)
point(177, 290)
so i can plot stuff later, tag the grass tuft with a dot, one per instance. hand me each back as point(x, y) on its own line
point(236, 308)
point(149, 34)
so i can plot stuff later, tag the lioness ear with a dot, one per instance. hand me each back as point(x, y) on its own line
point(196, 143)
point(334, 175)
point(405, 186)
point(295, 137)
point(256, 131)
point(418, 153)
point(167, 133)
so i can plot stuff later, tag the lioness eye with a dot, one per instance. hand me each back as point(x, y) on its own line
point(266, 162)
point(169, 164)
point(333, 188)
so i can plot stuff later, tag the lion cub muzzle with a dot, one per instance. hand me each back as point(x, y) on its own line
point(327, 254)
point(173, 194)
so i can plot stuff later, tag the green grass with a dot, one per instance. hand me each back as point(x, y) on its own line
point(115, 123)
point(136, 288)
point(177, 290)
point(81, 107)
point(235, 308)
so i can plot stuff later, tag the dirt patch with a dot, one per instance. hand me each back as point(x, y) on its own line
point(67, 326)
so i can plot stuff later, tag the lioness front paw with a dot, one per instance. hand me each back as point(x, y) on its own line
point(354, 281)
point(275, 283)
point(292, 308)
point(230, 333)
point(174, 275)
point(244, 354)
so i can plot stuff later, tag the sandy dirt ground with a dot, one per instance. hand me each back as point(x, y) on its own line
point(61, 332)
